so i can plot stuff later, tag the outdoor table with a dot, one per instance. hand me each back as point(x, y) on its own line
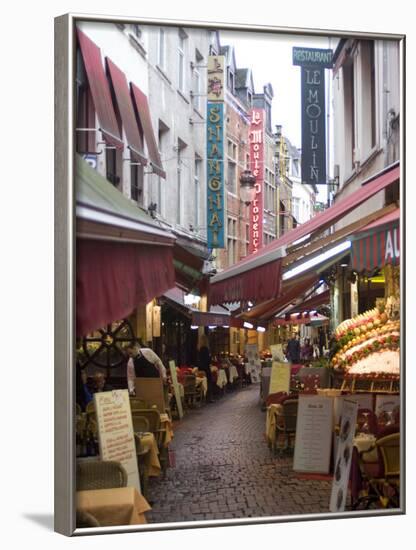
point(149, 444)
point(221, 378)
point(166, 424)
point(233, 373)
point(118, 506)
point(202, 381)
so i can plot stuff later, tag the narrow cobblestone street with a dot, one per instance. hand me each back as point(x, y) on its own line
point(224, 468)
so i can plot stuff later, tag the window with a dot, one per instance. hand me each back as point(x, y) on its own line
point(179, 191)
point(232, 241)
point(197, 168)
point(136, 183)
point(295, 207)
point(161, 49)
point(197, 86)
point(231, 81)
point(85, 135)
point(349, 110)
point(249, 98)
point(295, 167)
point(232, 167)
point(112, 166)
point(163, 138)
point(181, 61)
point(368, 94)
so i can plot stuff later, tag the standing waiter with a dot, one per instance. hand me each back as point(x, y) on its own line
point(143, 363)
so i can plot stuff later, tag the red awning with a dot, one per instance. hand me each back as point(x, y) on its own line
point(320, 222)
point(143, 113)
point(114, 278)
point(259, 284)
point(377, 244)
point(125, 105)
point(290, 292)
point(100, 90)
point(313, 303)
point(314, 319)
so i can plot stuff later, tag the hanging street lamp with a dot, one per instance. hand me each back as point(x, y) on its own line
point(247, 186)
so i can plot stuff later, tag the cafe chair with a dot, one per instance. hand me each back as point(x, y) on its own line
point(100, 474)
point(380, 480)
point(140, 424)
point(191, 392)
point(143, 465)
point(367, 421)
point(286, 425)
point(85, 519)
point(136, 403)
point(153, 417)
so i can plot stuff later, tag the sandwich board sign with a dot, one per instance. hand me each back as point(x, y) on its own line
point(175, 384)
point(115, 432)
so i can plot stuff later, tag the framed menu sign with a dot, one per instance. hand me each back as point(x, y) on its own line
point(313, 434)
point(279, 378)
point(343, 456)
point(115, 432)
point(175, 384)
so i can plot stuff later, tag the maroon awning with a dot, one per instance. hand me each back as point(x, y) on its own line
point(100, 90)
point(125, 105)
point(290, 292)
point(143, 113)
point(259, 284)
point(314, 302)
point(221, 282)
point(112, 279)
point(377, 244)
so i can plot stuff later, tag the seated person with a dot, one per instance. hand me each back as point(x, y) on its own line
point(100, 383)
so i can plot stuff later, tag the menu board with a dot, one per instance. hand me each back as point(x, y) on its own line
point(387, 408)
point(254, 362)
point(343, 456)
point(115, 432)
point(279, 378)
point(175, 384)
point(313, 434)
point(363, 400)
point(277, 353)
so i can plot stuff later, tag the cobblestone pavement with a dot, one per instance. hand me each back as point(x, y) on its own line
point(224, 468)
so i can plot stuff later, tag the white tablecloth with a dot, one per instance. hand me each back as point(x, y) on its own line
point(221, 378)
point(233, 373)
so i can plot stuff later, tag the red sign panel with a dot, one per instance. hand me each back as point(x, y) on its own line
point(256, 142)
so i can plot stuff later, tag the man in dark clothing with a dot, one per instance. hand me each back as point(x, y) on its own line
point(293, 349)
point(204, 364)
point(143, 363)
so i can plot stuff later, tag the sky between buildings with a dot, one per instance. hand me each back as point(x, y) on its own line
point(269, 56)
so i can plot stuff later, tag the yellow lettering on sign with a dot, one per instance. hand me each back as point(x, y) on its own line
point(215, 220)
point(214, 133)
point(214, 114)
point(214, 151)
point(215, 201)
point(214, 184)
point(214, 166)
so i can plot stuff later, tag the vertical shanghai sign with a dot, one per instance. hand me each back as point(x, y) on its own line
point(256, 144)
point(313, 63)
point(215, 152)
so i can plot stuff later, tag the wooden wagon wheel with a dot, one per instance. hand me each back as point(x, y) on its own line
point(104, 347)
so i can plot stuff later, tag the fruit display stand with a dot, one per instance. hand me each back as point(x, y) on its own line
point(368, 351)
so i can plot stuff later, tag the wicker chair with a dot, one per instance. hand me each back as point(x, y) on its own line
point(153, 417)
point(85, 519)
point(140, 423)
point(288, 426)
point(100, 474)
point(136, 403)
point(191, 392)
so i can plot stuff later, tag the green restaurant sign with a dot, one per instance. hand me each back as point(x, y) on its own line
point(312, 57)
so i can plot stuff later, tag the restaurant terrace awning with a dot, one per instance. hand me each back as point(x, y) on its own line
point(100, 90)
point(125, 106)
point(143, 114)
point(238, 283)
point(312, 303)
point(300, 319)
point(377, 244)
point(123, 258)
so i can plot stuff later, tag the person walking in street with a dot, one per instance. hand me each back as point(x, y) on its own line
point(204, 365)
point(293, 349)
point(143, 363)
point(307, 351)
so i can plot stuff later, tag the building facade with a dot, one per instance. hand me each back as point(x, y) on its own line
point(366, 101)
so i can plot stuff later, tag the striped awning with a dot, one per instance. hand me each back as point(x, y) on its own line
point(377, 244)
